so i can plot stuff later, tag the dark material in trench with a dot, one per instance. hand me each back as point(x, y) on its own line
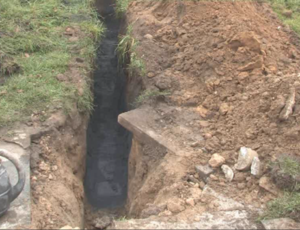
point(108, 143)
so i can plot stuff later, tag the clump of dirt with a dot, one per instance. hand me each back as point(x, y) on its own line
point(230, 68)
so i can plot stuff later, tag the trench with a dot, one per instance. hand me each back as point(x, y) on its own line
point(108, 143)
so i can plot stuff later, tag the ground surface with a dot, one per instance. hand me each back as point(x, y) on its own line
point(229, 68)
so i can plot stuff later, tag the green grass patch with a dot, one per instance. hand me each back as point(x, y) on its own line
point(286, 206)
point(121, 7)
point(32, 34)
point(282, 6)
point(149, 94)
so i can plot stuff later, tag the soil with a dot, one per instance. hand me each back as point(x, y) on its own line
point(230, 68)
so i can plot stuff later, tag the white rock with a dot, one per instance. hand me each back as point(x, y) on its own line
point(229, 174)
point(256, 167)
point(216, 160)
point(245, 159)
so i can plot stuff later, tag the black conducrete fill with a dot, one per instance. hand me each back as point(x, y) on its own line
point(108, 143)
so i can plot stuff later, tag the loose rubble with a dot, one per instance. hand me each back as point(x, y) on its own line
point(204, 171)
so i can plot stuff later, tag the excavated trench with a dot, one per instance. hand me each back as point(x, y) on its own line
point(108, 143)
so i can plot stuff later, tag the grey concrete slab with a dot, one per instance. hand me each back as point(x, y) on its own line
point(19, 213)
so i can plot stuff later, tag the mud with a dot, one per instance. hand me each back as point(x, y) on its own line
point(108, 143)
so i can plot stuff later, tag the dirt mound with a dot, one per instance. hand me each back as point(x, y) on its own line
point(231, 67)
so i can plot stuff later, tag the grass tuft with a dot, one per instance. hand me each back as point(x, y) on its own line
point(127, 53)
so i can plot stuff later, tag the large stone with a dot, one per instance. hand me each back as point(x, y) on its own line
point(245, 159)
point(216, 160)
point(281, 223)
point(229, 174)
point(266, 183)
point(204, 171)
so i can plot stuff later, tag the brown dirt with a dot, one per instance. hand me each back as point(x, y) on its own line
point(57, 170)
point(230, 68)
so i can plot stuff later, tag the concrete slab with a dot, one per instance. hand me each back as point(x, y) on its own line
point(141, 122)
point(19, 213)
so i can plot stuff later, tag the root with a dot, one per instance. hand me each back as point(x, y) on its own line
point(288, 108)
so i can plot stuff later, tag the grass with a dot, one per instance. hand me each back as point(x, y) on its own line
point(127, 53)
point(280, 6)
point(286, 206)
point(121, 7)
point(32, 35)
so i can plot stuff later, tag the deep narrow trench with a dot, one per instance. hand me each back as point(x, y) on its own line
point(108, 143)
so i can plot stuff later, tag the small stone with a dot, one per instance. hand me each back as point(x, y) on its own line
point(201, 185)
point(50, 177)
point(54, 168)
point(150, 75)
point(266, 183)
point(216, 160)
point(204, 123)
point(195, 193)
point(213, 177)
point(224, 108)
point(229, 174)
point(103, 222)
point(190, 201)
point(256, 167)
point(148, 36)
point(241, 185)
point(204, 171)
point(245, 158)
point(175, 206)
point(281, 223)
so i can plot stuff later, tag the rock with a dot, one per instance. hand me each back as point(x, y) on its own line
point(224, 108)
point(229, 174)
point(241, 185)
point(148, 36)
point(163, 83)
point(240, 176)
point(256, 167)
point(216, 160)
point(152, 210)
point(281, 223)
point(204, 171)
point(103, 222)
point(150, 75)
point(213, 177)
point(69, 227)
point(190, 201)
point(266, 183)
point(195, 193)
point(245, 159)
point(176, 206)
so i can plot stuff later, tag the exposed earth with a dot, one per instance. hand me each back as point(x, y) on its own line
point(227, 74)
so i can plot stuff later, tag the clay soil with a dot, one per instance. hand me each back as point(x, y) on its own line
point(229, 68)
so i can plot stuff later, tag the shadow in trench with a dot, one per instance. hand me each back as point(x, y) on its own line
point(108, 143)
